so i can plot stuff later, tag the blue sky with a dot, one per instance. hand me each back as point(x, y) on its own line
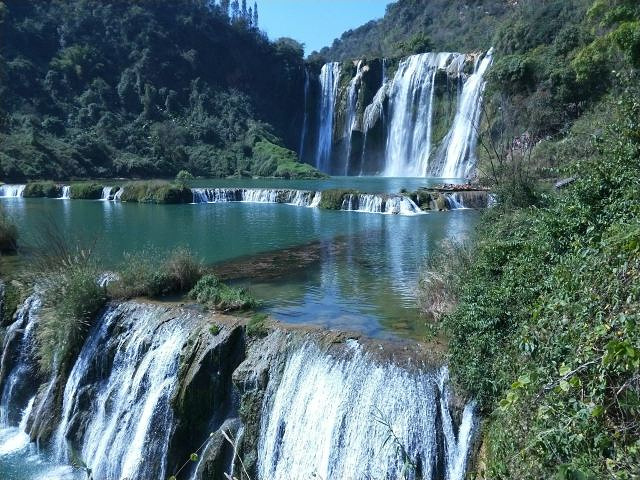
point(316, 22)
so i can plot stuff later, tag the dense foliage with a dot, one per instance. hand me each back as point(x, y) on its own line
point(212, 292)
point(8, 233)
point(546, 333)
point(417, 26)
point(137, 89)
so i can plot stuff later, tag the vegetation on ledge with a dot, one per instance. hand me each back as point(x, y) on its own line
point(212, 292)
point(332, 199)
point(156, 192)
point(86, 191)
point(42, 189)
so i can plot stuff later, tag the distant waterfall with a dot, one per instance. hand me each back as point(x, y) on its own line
point(8, 191)
point(329, 77)
point(463, 136)
point(350, 119)
point(392, 205)
point(106, 193)
point(427, 115)
point(365, 203)
point(411, 105)
point(303, 132)
point(337, 416)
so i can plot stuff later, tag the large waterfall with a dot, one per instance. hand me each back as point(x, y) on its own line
point(350, 417)
point(329, 78)
point(11, 190)
point(421, 121)
point(333, 412)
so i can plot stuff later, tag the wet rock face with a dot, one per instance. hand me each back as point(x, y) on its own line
point(205, 397)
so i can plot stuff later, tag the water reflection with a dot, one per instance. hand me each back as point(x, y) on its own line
point(367, 284)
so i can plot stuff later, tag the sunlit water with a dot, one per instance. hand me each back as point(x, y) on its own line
point(364, 280)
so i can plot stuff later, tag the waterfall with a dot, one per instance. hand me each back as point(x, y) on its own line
point(377, 203)
point(106, 194)
point(411, 114)
point(350, 120)
point(66, 192)
point(299, 198)
point(118, 194)
point(454, 201)
point(329, 77)
point(9, 191)
point(372, 113)
point(14, 439)
point(459, 157)
point(303, 132)
point(18, 362)
point(346, 417)
point(123, 416)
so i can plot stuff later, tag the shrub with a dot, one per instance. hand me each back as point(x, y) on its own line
point(443, 276)
point(156, 192)
point(8, 233)
point(71, 301)
point(86, 191)
point(212, 292)
point(257, 325)
point(271, 160)
point(148, 273)
point(42, 189)
point(332, 199)
point(183, 177)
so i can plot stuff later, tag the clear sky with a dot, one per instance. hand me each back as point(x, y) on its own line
point(316, 22)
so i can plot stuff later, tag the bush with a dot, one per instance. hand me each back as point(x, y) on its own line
point(212, 292)
point(183, 177)
point(332, 199)
point(71, 301)
point(42, 189)
point(86, 191)
point(8, 233)
point(257, 325)
point(156, 192)
point(150, 274)
point(271, 160)
point(444, 274)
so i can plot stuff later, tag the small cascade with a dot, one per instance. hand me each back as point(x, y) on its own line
point(14, 439)
point(349, 416)
point(376, 203)
point(329, 77)
point(122, 417)
point(11, 191)
point(299, 198)
point(19, 369)
point(66, 192)
point(459, 156)
point(305, 119)
point(468, 199)
point(118, 194)
point(372, 113)
point(106, 194)
point(350, 119)
point(411, 95)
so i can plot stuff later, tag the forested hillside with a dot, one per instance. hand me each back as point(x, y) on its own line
point(98, 89)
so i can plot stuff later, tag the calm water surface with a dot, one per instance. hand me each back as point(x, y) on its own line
point(364, 279)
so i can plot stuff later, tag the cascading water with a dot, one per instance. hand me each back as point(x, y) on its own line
point(19, 362)
point(350, 119)
point(390, 205)
point(351, 417)
point(459, 157)
point(366, 203)
point(412, 130)
point(123, 416)
point(11, 191)
point(303, 132)
point(411, 114)
point(106, 194)
point(66, 192)
point(329, 77)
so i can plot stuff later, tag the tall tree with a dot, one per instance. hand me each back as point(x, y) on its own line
point(224, 6)
point(235, 10)
point(244, 10)
point(255, 14)
point(250, 17)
